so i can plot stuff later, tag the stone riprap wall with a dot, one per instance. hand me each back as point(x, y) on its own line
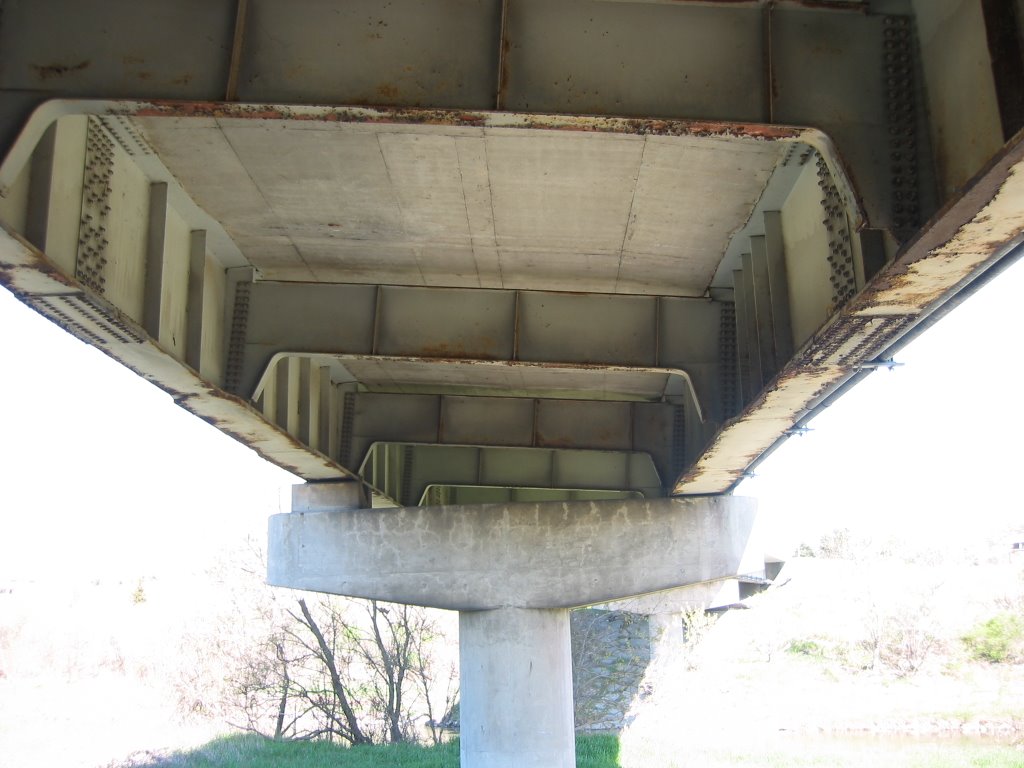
point(611, 650)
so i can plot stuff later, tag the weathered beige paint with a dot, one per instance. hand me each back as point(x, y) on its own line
point(174, 298)
point(806, 245)
point(212, 354)
point(127, 232)
point(14, 205)
point(64, 210)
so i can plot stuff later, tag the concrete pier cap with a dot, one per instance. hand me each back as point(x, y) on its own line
point(527, 555)
point(513, 571)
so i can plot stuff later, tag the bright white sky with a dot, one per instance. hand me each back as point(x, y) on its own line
point(104, 477)
point(928, 451)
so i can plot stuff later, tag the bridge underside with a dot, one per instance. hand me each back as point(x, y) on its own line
point(477, 306)
point(513, 251)
point(561, 251)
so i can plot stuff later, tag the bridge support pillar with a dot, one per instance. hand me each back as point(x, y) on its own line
point(516, 706)
point(513, 571)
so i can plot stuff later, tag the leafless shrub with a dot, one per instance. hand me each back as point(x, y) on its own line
point(289, 665)
point(900, 640)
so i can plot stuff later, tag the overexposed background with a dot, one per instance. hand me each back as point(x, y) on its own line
point(104, 476)
point(125, 521)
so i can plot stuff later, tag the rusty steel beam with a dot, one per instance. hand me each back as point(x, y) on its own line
point(237, 43)
point(465, 118)
point(971, 234)
point(29, 274)
point(838, 349)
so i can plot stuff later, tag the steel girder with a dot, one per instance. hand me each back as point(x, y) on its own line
point(464, 264)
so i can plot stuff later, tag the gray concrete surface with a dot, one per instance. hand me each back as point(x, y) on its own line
point(545, 555)
point(480, 207)
point(516, 689)
point(331, 496)
point(512, 571)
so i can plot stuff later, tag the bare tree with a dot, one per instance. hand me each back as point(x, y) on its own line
point(901, 638)
point(428, 677)
point(324, 653)
point(388, 653)
point(332, 668)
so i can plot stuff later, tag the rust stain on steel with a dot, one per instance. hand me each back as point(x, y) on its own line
point(507, 363)
point(482, 347)
point(9, 272)
point(237, 43)
point(48, 71)
point(830, 5)
point(822, 379)
point(963, 226)
point(504, 362)
point(464, 119)
point(229, 427)
point(196, 399)
point(326, 115)
point(192, 402)
point(959, 242)
point(506, 46)
point(659, 127)
point(443, 351)
point(37, 262)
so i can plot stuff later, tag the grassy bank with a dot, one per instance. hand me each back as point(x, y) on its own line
point(597, 752)
point(246, 751)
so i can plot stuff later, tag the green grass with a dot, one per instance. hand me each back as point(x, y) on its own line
point(248, 751)
point(597, 751)
point(998, 640)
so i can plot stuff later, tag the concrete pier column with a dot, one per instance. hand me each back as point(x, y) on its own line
point(482, 559)
point(516, 707)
